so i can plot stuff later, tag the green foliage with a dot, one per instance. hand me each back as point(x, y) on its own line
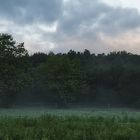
point(11, 66)
point(9, 48)
point(64, 77)
point(68, 78)
point(69, 128)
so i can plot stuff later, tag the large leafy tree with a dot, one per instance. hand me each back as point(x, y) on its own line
point(12, 66)
point(64, 78)
point(9, 47)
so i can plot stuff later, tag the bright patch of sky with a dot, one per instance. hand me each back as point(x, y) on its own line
point(124, 3)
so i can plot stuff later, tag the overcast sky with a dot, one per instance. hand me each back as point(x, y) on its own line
point(60, 25)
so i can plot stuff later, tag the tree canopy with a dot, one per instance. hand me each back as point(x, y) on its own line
point(71, 78)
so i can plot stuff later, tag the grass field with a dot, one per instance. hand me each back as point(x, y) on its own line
point(69, 128)
point(69, 124)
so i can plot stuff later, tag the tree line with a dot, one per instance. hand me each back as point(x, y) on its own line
point(66, 79)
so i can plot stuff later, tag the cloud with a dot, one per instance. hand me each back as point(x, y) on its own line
point(29, 11)
point(61, 25)
point(82, 17)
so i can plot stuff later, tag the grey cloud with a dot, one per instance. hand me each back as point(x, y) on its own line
point(90, 17)
point(28, 11)
point(75, 17)
point(119, 20)
point(78, 13)
point(80, 22)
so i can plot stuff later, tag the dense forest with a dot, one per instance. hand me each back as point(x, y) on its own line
point(67, 79)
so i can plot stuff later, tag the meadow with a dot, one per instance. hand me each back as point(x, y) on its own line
point(69, 124)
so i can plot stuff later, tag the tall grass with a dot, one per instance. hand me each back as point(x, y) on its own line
point(50, 127)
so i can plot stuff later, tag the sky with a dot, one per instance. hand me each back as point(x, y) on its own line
point(101, 26)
